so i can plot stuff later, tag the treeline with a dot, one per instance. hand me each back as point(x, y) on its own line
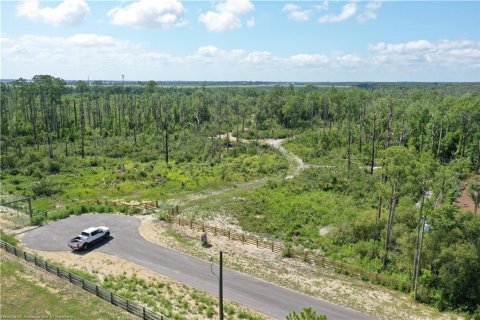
point(48, 112)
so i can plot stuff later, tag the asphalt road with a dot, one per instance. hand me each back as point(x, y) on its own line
point(127, 243)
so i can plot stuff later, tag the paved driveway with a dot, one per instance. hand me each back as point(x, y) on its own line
point(127, 243)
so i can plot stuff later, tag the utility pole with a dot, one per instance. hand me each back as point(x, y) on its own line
point(220, 289)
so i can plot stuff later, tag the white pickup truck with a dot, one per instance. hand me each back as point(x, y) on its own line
point(89, 236)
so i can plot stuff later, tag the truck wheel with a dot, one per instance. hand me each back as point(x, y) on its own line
point(85, 246)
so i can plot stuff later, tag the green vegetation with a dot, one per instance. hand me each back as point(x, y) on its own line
point(8, 238)
point(29, 292)
point(176, 302)
point(380, 157)
point(305, 314)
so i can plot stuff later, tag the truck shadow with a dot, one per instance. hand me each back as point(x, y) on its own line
point(94, 246)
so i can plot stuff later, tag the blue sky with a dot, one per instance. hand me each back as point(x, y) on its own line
point(242, 40)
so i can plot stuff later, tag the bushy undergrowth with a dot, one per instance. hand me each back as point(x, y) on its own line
point(178, 302)
point(335, 212)
point(62, 213)
point(143, 174)
point(8, 238)
point(326, 148)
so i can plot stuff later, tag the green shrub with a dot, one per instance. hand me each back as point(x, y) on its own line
point(209, 312)
point(8, 238)
point(287, 252)
point(44, 188)
point(306, 314)
point(53, 167)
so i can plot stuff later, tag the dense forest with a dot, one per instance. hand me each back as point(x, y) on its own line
point(385, 163)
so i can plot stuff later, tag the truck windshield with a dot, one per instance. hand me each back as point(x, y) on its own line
point(85, 234)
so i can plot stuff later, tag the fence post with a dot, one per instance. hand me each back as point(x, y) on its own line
point(46, 265)
point(272, 246)
point(257, 242)
point(243, 238)
point(215, 231)
point(96, 290)
point(70, 277)
point(58, 272)
point(24, 255)
point(30, 208)
point(191, 224)
point(83, 284)
point(229, 234)
point(127, 304)
point(203, 226)
point(177, 208)
point(15, 250)
point(156, 203)
point(144, 317)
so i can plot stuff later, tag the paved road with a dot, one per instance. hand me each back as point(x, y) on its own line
point(127, 243)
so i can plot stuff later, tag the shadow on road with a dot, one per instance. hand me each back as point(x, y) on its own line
point(94, 246)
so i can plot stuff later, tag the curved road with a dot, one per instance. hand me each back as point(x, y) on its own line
point(127, 243)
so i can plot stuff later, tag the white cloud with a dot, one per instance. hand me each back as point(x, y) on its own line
point(347, 12)
point(235, 6)
point(220, 21)
point(208, 51)
point(347, 61)
point(417, 45)
point(105, 57)
point(295, 13)
point(93, 40)
point(370, 11)
point(225, 17)
point(5, 41)
point(304, 59)
point(67, 13)
point(258, 57)
point(323, 6)
point(422, 53)
point(149, 14)
point(465, 53)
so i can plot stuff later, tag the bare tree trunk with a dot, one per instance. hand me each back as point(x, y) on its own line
point(374, 137)
point(166, 127)
point(391, 216)
point(389, 125)
point(132, 121)
point(82, 127)
point(478, 158)
point(440, 139)
point(349, 148)
point(166, 142)
point(402, 131)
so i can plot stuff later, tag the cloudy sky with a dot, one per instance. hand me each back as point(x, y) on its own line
point(242, 40)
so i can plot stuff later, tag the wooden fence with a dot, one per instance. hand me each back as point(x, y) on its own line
point(130, 306)
point(280, 248)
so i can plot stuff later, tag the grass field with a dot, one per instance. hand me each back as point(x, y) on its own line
point(31, 293)
point(73, 179)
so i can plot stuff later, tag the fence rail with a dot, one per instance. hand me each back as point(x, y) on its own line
point(130, 306)
point(278, 247)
